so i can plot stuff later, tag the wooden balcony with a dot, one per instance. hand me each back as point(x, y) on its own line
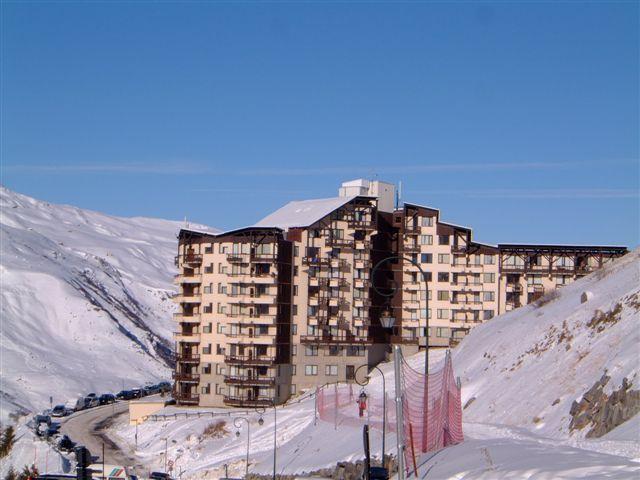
point(315, 261)
point(237, 401)
point(397, 339)
point(187, 357)
point(335, 339)
point(248, 381)
point(186, 377)
point(249, 359)
point(411, 248)
point(187, 398)
point(187, 279)
point(237, 258)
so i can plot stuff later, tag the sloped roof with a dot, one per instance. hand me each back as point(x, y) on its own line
point(303, 213)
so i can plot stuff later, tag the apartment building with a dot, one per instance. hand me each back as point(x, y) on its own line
point(290, 303)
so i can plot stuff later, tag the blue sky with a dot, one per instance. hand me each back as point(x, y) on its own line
point(517, 119)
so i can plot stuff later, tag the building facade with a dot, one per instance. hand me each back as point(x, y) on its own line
point(291, 303)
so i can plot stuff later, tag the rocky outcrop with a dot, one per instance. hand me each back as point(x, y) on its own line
point(603, 412)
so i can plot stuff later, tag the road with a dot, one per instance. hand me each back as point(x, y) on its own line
point(87, 428)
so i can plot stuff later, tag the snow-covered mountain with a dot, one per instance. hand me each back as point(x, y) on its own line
point(521, 374)
point(85, 301)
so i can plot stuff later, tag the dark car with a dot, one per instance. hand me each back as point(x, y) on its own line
point(126, 395)
point(91, 395)
point(151, 389)
point(164, 386)
point(160, 476)
point(137, 392)
point(59, 411)
point(38, 419)
point(66, 444)
point(107, 398)
point(53, 429)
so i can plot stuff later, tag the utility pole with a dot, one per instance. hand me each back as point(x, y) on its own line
point(397, 358)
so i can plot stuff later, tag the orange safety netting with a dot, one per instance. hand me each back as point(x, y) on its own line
point(434, 424)
point(428, 425)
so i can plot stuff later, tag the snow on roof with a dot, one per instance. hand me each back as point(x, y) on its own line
point(303, 213)
point(360, 182)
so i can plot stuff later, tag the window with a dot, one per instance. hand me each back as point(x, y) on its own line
point(443, 258)
point(331, 370)
point(488, 296)
point(294, 329)
point(351, 372)
point(222, 289)
point(443, 276)
point(311, 370)
point(311, 350)
point(443, 313)
point(337, 233)
point(426, 258)
point(294, 310)
point(443, 295)
point(293, 369)
point(488, 277)
point(534, 280)
point(443, 239)
point(295, 271)
point(293, 389)
point(489, 259)
point(426, 239)
point(296, 251)
point(294, 350)
point(295, 290)
point(206, 390)
point(487, 314)
point(442, 332)
point(334, 350)
point(426, 221)
point(222, 309)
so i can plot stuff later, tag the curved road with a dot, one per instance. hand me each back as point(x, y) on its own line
point(87, 428)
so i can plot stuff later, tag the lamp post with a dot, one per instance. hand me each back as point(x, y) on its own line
point(426, 330)
point(365, 382)
point(237, 422)
point(261, 411)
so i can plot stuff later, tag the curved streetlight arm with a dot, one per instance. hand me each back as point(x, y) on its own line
point(237, 422)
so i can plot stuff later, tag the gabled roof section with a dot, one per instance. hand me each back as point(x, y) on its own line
point(303, 213)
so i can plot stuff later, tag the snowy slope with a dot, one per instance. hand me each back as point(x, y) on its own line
point(503, 440)
point(533, 363)
point(85, 301)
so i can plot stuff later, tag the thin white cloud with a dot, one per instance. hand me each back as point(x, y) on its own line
point(563, 193)
point(132, 168)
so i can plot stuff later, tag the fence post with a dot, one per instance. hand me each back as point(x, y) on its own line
point(335, 406)
point(397, 358)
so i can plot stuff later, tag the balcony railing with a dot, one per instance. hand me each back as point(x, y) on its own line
point(317, 261)
point(411, 248)
point(247, 380)
point(263, 257)
point(186, 377)
point(404, 340)
point(339, 242)
point(238, 401)
point(335, 339)
point(412, 229)
point(187, 398)
point(237, 258)
point(361, 224)
point(187, 318)
point(189, 258)
point(188, 357)
point(249, 359)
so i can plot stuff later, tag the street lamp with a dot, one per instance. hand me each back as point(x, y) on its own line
point(237, 422)
point(387, 320)
point(261, 411)
point(426, 330)
point(365, 382)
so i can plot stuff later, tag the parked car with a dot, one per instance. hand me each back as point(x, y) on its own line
point(126, 395)
point(53, 429)
point(164, 386)
point(91, 402)
point(107, 398)
point(137, 393)
point(159, 476)
point(38, 419)
point(151, 389)
point(91, 395)
point(59, 411)
point(66, 444)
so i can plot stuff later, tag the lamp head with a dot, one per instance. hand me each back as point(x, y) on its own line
point(387, 319)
